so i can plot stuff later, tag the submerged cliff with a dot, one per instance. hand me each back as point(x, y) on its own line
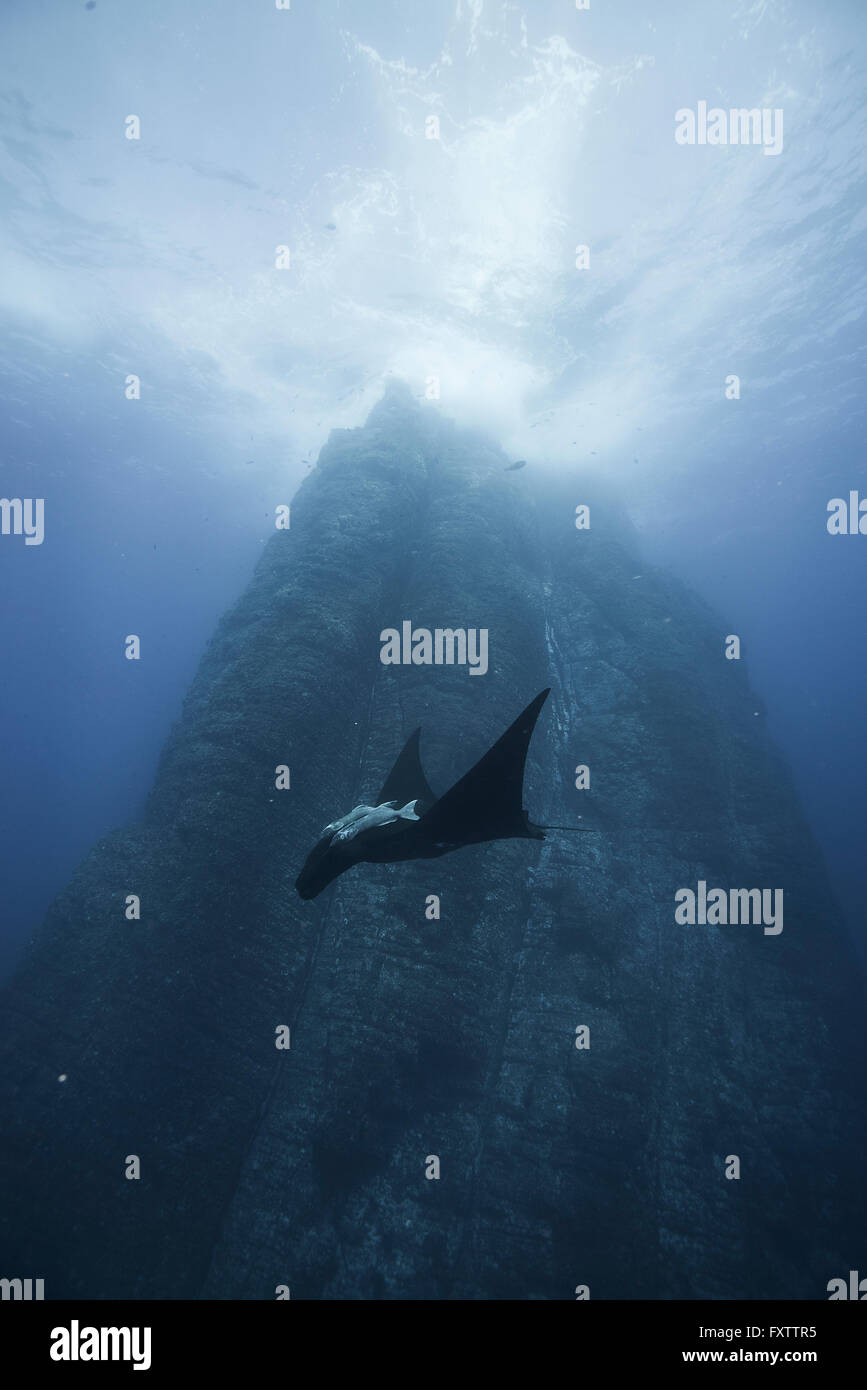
point(559, 1166)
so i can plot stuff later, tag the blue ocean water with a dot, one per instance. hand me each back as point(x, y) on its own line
point(444, 254)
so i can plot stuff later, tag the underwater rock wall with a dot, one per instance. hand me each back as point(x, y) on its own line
point(453, 1037)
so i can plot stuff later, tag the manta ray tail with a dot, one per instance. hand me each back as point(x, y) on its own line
point(588, 830)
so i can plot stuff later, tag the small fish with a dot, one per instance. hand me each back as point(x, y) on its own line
point(522, 463)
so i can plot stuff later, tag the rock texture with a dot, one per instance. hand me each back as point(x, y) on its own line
point(455, 1037)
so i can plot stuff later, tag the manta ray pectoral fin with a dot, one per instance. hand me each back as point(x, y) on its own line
point(487, 802)
point(406, 782)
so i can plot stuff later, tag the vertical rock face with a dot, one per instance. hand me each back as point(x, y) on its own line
point(456, 1038)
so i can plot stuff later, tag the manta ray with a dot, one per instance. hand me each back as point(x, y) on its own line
point(410, 822)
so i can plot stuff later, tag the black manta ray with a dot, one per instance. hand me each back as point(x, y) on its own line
point(410, 822)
